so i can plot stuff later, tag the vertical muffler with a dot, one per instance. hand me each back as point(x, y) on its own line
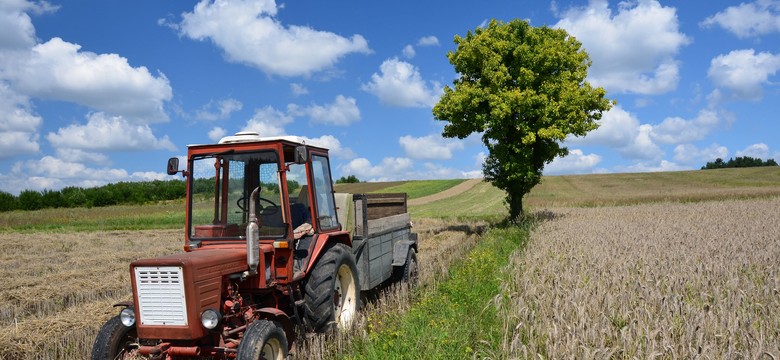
point(252, 237)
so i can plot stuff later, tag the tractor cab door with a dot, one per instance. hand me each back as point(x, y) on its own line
point(324, 202)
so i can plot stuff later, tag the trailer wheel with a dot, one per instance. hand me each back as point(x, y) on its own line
point(263, 339)
point(113, 340)
point(411, 273)
point(332, 291)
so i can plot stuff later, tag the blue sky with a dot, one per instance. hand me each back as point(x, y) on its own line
point(103, 91)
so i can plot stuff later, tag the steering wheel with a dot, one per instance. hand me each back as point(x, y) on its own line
point(268, 210)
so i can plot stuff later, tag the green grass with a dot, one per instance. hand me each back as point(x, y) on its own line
point(163, 215)
point(419, 188)
point(457, 319)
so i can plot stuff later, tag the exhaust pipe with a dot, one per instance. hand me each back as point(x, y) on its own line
point(252, 237)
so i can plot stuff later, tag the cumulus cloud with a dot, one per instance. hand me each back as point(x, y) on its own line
point(18, 30)
point(744, 72)
point(268, 121)
point(663, 165)
point(634, 49)
point(430, 147)
point(217, 133)
point(676, 130)
point(342, 111)
point(409, 52)
point(106, 82)
point(623, 132)
point(108, 133)
point(249, 32)
point(759, 151)
point(391, 168)
point(748, 19)
point(53, 173)
point(574, 163)
point(218, 110)
point(688, 154)
point(333, 144)
point(18, 124)
point(400, 84)
point(428, 41)
point(298, 89)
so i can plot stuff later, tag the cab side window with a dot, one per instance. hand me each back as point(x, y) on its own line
point(323, 189)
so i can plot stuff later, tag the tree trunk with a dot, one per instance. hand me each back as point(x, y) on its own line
point(515, 200)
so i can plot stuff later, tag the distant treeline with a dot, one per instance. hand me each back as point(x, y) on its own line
point(123, 193)
point(739, 162)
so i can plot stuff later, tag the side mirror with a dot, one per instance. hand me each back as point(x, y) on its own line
point(301, 154)
point(173, 166)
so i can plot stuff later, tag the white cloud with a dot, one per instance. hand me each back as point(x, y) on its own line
point(430, 147)
point(759, 151)
point(623, 132)
point(333, 145)
point(744, 72)
point(218, 110)
point(391, 168)
point(428, 41)
point(18, 125)
point(106, 82)
point(632, 50)
point(84, 157)
point(574, 163)
point(676, 130)
point(18, 30)
point(268, 122)
point(108, 133)
point(298, 89)
point(688, 154)
point(53, 173)
point(408, 51)
point(217, 133)
point(400, 84)
point(748, 19)
point(341, 112)
point(248, 32)
point(663, 165)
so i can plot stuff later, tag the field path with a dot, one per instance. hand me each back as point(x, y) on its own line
point(455, 190)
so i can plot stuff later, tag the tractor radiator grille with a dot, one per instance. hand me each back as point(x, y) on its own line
point(161, 295)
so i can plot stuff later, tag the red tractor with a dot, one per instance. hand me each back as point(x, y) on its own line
point(271, 252)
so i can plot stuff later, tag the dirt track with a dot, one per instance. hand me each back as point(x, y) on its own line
point(455, 190)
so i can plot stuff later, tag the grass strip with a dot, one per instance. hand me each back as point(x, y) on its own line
point(454, 319)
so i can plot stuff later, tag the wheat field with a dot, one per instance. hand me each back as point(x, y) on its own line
point(671, 281)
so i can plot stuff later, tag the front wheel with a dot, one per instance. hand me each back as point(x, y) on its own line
point(332, 291)
point(263, 339)
point(114, 341)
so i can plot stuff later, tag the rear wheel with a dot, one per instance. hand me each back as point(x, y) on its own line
point(411, 273)
point(114, 341)
point(263, 339)
point(332, 291)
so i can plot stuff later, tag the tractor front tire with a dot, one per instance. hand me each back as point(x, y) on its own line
point(263, 339)
point(332, 291)
point(113, 341)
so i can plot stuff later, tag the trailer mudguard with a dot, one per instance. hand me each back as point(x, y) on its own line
point(401, 249)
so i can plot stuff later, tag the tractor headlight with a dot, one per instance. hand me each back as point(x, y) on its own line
point(127, 317)
point(210, 318)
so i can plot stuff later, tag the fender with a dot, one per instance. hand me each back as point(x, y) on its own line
point(341, 237)
point(401, 249)
point(274, 314)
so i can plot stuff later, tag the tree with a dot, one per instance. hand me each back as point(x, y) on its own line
point(352, 179)
point(523, 88)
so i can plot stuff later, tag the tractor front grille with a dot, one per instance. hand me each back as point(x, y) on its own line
point(161, 299)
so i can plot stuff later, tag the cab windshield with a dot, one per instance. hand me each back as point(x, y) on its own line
point(221, 185)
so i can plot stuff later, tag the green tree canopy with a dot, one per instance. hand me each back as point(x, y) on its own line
point(523, 88)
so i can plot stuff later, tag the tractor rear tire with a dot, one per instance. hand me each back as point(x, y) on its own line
point(332, 291)
point(113, 340)
point(263, 339)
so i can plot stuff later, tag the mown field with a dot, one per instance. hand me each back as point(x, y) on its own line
point(625, 265)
